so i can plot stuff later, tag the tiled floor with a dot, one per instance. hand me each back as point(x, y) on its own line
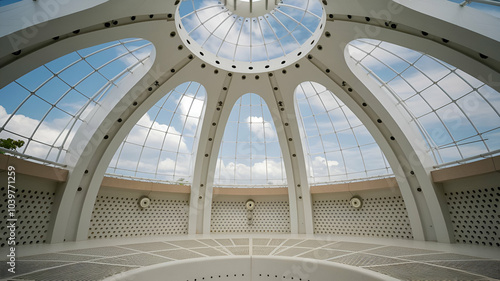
point(420, 261)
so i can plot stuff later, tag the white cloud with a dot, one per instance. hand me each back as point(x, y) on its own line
point(49, 132)
point(261, 129)
point(320, 168)
point(154, 135)
point(264, 172)
point(192, 107)
point(166, 150)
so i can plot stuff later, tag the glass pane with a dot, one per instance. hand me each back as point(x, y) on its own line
point(451, 108)
point(250, 153)
point(336, 142)
point(165, 137)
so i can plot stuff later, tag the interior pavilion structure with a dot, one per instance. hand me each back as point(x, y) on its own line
point(250, 140)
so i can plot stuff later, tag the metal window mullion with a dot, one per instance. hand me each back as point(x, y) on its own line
point(352, 131)
point(388, 66)
point(251, 34)
point(427, 137)
point(224, 40)
point(265, 139)
point(69, 65)
point(170, 125)
point(236, 140)
point(16, 110)
point(30, 138)
point(275, 35)
point(166, 133)
point(360, 61)
point(32, 93)
point(334, 130)
point(238, 40)
point(196, 12)
point(101, 50)
point(108, 62)
point(296, 21)
point(453, 101)
point(396, 55)
point(464, 141)
point(146, 44)
point(60, 148)
point(486, 100)
point(204, 8)
point(110, 82)
point(304, 137)
point(217, 27)
point(263, 37)
point(188, 14)
point(136, 49)
point(203, 24)
point(73, 122)
point(413, 117)
point(448, 130)
point(184, 126)
point(319, 134)
point(289, 32)
point(300, 9)
point(397, 75)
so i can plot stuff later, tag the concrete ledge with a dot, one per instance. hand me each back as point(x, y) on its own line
point(485, 166)
point(356, 186)
point(250, 191)
point(142, 185)
point(33, 169)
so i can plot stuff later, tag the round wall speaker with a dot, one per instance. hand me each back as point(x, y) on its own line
point(356, 202)
point(250, 204)
point(144, 202)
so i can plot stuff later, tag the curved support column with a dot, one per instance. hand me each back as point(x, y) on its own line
point(314, 70)
point(205, 165)
point(403, 146)
point(90, 152)
point(209, 140)
point(299, 189)
point(83, 160)
point(421, 25)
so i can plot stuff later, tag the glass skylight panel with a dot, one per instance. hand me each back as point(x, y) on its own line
point(250, 154)
point(8, 2)
point(491, 7)
point(46, 106)
point(457, 114)
point(161, 146)
point(250, 39)
point(337, 145)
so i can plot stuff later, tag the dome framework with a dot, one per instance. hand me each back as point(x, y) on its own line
point(346, 61)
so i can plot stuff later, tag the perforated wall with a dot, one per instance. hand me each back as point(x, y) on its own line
point(268, 216)
point(33, 208)
point(380, 216)
point(118, 214)
point(474, 212)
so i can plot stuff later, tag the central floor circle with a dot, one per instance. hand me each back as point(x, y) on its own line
point(248, 35)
